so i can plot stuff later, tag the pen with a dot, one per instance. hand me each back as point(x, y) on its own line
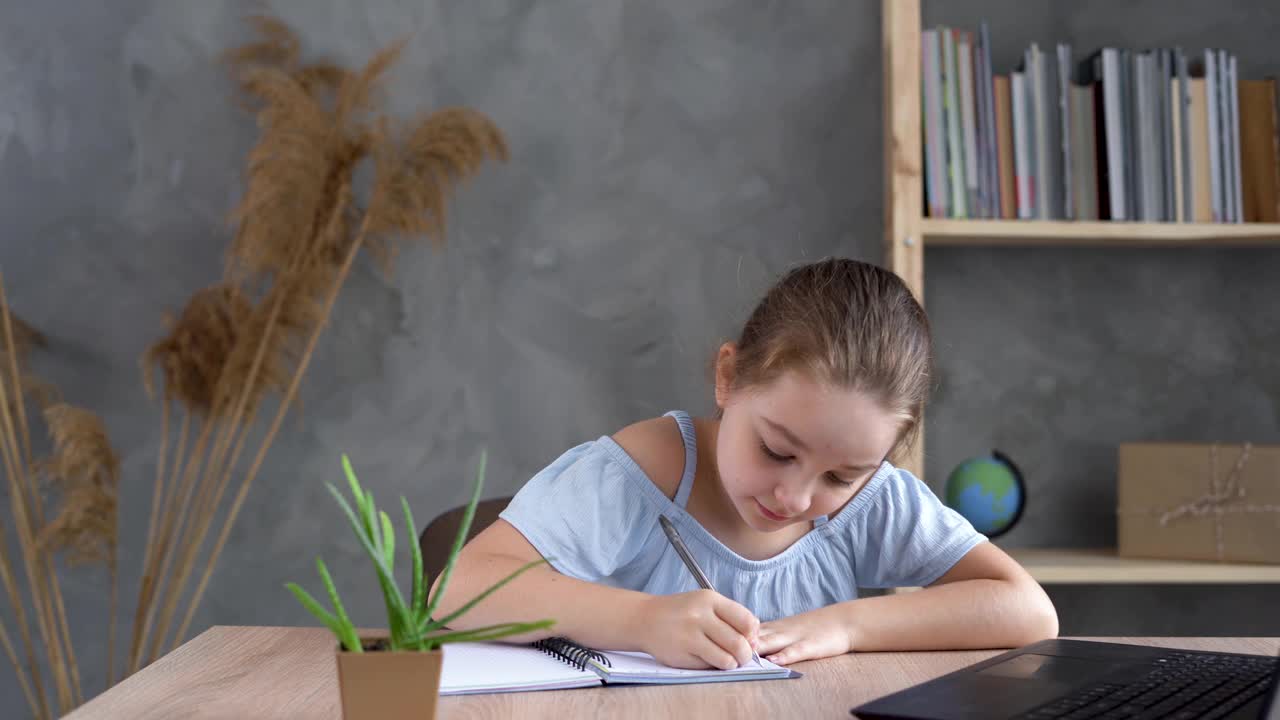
point(692, 564)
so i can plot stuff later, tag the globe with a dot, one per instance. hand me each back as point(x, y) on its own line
point(988, 491)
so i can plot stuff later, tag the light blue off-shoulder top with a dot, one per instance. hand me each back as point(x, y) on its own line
point(594, 513)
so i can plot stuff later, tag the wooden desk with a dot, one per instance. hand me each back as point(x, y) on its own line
point(265, 672)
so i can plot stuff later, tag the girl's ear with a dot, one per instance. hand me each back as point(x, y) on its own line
point(725, 359)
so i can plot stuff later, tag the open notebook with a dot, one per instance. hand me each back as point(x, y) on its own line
point(558, 663)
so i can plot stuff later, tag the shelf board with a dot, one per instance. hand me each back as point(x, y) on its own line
point(1051, 233)
point(1089, 566)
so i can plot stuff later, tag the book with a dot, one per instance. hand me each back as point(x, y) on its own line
point(472, 668)
point(952, 113)
point(968, 122)
point(1259, 162)
point(1123, 134)
point(987, 83)
point(1083, 154)
point(1004, 146)
point(1024, 176)
point(1066, 199)
point(936, 187)
point(1198, 114)
point(1189, 167)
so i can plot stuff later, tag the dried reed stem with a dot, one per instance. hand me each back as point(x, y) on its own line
point(17, 668)
point(39, 704)
point(173, 514)
point(152, 522)
point(330, 228)
point(13, 343)
point(191, 357)
point(113, 611)
point(41, 709)
point(65, 631)
point(280, 413)
point(23, 499)
point(85, 470)
point(184, 568)
point(209, 513)
point(147, 584)
point(168, 549)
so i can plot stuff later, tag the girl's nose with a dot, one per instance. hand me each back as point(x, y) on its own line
point(792, 501)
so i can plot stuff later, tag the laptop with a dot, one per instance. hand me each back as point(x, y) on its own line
point(1090, 679)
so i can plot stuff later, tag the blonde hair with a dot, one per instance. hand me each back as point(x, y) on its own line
point(847, 323)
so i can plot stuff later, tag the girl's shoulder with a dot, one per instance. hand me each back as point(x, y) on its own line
point(657, 446)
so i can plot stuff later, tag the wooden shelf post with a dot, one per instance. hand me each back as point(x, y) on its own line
point(904, 245)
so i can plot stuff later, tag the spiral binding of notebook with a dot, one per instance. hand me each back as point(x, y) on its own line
point(564, 649)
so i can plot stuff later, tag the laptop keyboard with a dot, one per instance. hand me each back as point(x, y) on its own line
point(1181, 686)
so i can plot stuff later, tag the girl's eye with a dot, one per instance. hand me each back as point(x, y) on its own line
point(836, 480)
point(773, 455)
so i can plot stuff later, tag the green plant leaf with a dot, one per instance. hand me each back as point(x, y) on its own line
point(388, 539)
point(434, 624)
point(348, 635)
point(461, 539)
point(313, 606)
point(398, 618)
point(364, 502)
point(370, 518)
point(480, 634)
point(418, 603)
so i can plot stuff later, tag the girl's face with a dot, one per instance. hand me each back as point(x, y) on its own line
point(795, 450)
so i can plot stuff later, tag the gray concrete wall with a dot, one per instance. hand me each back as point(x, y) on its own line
point(668, 160)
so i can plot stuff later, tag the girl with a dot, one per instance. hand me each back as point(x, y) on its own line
point(786, 498)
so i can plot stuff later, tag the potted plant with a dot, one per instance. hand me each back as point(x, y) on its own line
point(397, 674)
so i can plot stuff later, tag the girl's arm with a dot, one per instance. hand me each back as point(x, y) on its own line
point(985, 601)
point(690, 630)
point(591, 614)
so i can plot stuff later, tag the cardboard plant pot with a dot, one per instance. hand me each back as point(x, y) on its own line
point(379, 683)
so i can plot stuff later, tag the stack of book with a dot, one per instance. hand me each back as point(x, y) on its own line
point(1157, 135)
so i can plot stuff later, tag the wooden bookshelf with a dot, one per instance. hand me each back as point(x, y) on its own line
point(1103, 566)
point(1047, 233)
point(908, 233)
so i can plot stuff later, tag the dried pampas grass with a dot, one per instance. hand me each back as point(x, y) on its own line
point(191, 357)
point(83, 473)
point(298, 230)
point(233, 348)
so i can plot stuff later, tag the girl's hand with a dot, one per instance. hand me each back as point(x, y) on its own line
point(808, 636)
point(697, 630)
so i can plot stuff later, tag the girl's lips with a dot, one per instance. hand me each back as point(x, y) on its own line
point(770, 514)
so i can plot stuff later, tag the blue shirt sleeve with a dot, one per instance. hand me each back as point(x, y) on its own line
point(583, 513)
point(909, 537)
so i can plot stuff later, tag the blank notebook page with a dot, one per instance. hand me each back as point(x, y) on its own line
point(640, 667)
point(496, 667)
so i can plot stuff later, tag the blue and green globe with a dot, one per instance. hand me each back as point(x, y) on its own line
point(988, 491)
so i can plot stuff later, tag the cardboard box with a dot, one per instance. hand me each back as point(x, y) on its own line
point(1187, 501)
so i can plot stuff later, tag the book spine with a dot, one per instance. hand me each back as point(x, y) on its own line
point(1168, 176)
point(1189, 168)
point(955, 150)
point(1215, 134)
point(968, 123)
point(987, 82)
point(1067, 209)
point(934, 150)
point(1004, 143)
point(1022, 146)
point(1113, 107)
point(1233, 111)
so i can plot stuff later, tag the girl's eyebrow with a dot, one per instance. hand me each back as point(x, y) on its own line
point(791, 438)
